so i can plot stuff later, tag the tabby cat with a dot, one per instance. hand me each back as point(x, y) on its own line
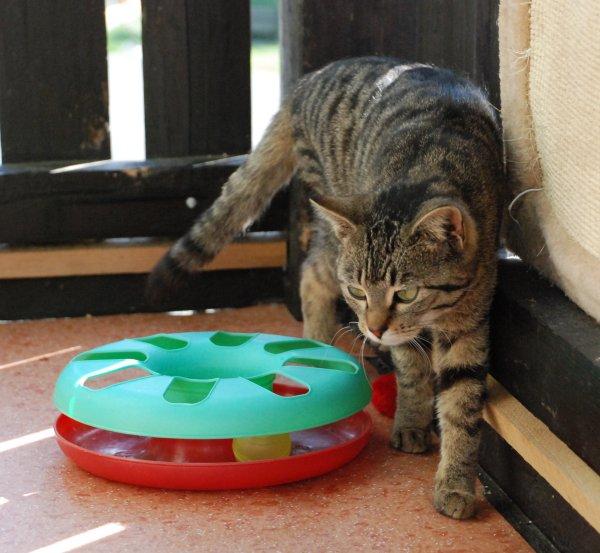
point(404, 165)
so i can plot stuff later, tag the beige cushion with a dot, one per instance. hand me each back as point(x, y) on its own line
point(550, 87)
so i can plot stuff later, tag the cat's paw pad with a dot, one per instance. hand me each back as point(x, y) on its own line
point(454, 503)
point(411, 440)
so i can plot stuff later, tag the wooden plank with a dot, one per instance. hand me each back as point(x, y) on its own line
point(546, 353)
point(219, 47)
point(541, 506)
point(196, 76)
point(106, 259)
point(508, 508)
point(46, 204)
point(460, 35)
point(166, 78)
point(573, 479)
point(53, 80)
point(107, 294)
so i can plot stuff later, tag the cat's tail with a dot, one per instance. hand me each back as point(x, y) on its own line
point(244, 197)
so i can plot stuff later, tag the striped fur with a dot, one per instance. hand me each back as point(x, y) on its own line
point(404, 164)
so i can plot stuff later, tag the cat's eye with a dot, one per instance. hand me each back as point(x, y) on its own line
point(406, 295)
point(357, 293)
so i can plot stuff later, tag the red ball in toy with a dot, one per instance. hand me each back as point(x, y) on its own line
point(384, 394)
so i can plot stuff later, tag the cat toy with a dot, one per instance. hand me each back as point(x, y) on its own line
point(212, 410)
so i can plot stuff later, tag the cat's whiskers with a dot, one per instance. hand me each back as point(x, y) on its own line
point(419, 349)
point(422, 353)
point(362, 351)
point(337, 335)
point(427, 357)
point(356, 338)
point(445, 335)
point(423, 339)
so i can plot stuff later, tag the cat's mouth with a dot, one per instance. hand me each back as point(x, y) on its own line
point(393, 341)
point(390, 339)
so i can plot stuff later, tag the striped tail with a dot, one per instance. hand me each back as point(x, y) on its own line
point(244, 197)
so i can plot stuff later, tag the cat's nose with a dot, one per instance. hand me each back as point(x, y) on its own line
point(378, 331)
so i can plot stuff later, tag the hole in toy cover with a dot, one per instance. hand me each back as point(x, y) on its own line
point(291, 345)
point(183, 390)
point(101, 381)
point(288, 387)
point(281, 385)
point(230, 339)
point(164, 342)
point(111, 356)
point(332, 364)
point(264, 381)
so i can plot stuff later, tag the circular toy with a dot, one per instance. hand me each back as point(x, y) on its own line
point(212, 410)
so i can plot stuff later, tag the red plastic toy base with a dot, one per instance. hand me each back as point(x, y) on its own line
point(208, 464)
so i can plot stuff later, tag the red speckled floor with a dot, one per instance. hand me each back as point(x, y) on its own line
point(381, 501)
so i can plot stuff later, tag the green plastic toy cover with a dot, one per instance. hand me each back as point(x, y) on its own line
point(202, 385)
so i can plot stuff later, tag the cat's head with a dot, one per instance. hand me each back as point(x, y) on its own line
point(401, 269)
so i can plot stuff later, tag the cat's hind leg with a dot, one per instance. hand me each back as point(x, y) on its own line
point(319, 286)
point(411, 432)
point(319, 292)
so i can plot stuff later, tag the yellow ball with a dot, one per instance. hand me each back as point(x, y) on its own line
point(262, 447)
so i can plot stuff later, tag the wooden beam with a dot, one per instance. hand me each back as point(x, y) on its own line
point(42, 204)
point(32, 298)
point(546, 352)
point(110, 259)
point(573, 479)
point(543, 517)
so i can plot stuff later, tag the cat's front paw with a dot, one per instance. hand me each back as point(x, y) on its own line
point(454, 503)
point(411, 440)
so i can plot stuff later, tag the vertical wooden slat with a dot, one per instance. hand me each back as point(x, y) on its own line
point(460, 34)
point(196, 76)
point(53, 80)
point(166, 77)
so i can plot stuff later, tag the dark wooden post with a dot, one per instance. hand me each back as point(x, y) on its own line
point(196, 77)
point(458, 34)
point(53, 80)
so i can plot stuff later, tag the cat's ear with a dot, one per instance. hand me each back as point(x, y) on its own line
point(337, 212)
point(446, 223)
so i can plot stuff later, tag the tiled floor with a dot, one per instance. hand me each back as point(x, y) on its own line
point(381, 501)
